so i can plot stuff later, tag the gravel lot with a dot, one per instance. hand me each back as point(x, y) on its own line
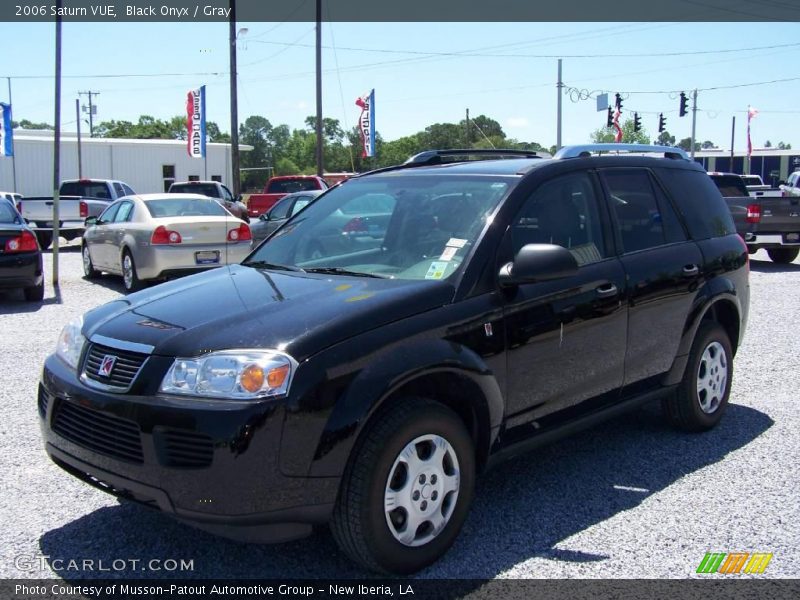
point(629, 499)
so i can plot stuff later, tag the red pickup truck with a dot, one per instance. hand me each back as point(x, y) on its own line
point(278, 187)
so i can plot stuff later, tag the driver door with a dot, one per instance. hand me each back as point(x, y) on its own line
point(97, 236)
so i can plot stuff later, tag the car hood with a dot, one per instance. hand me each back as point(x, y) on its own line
point(243, 307)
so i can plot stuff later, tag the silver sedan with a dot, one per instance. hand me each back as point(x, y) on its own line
point(155, 236)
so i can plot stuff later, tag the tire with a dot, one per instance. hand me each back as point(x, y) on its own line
point(89, 272)
point(129, 277)
point(702, 396)
point(45, 239)
point(782, 256)
point(406, 440)
point(35, 293)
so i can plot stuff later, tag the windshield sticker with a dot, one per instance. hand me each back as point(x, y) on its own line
point(448, 253)
point(456, 242)
point(436, 270)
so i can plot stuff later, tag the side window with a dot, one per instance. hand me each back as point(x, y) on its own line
point(704, 211)
point(128, 191)
point(281, 210)
point(107, 216)
point(118, 189)
point(226, 194)
point(124, 212)
point(300, 204)
point(565, 212)
point(633, 200)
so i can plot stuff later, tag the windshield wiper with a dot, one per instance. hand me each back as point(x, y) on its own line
point(341, 271)
point(262, 264)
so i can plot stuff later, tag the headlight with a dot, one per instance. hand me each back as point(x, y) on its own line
point(70, 342)
point(234, 374)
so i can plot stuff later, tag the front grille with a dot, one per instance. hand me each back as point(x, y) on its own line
point(112, 436)
point(181, 448)
point(126, 366)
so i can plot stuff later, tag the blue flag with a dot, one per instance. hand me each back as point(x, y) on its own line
point(6, 134)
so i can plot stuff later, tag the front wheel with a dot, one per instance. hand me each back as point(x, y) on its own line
point(702, 396)
point(129, 277)
point(407, 489)
point(782, 256)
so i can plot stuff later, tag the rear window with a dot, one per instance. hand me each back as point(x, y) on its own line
point(7, 213)
point(730, 186)
point(700, 203)
point(289, 186)
point(751, 180)
point(185, 207)
point(195, 188)
point(90, 189)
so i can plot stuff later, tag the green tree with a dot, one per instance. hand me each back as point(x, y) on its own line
point(665, 139)
point(26, 124)
point(686, 144)
point(782, 146)
point(767, 144)
point(708, 144)
point(605, 135)
point(285, 166)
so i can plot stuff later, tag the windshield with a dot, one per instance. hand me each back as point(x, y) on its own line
point(185, 207)
point(394, 226)
point(289, 186)
point(204, 189)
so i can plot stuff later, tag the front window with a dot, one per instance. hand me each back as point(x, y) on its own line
point(392, 226)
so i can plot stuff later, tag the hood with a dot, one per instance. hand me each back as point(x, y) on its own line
point(243, 307)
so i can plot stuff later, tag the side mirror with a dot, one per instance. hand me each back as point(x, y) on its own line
point(538, 262)
point(91, 221)
point(263, 217)
point(238, 198)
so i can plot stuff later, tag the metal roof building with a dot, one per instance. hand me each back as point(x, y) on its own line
point(145, 165)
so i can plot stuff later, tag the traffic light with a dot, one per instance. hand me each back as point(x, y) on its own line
point(662, 123)
point(618, 103)
point(610, 120)
point(637, 122)
point(684, 102)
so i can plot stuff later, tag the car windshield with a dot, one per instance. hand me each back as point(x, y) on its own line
point(204, 189)
point(185, 207)
point(7, 213)
point(393, 226)
point(288, 186)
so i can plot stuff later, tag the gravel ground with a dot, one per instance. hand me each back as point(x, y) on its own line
point(628, 499)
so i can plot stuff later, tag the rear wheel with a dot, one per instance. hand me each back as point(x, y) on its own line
point(89, 272)
point(702, 396)
point(782, 256)
point(45, 239)
point(129, 277)
point(407, 489)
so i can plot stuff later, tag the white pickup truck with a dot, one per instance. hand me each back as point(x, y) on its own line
point(78, 199)
point(758, 189)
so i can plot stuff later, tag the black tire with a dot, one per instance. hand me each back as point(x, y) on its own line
point(89, 272)
point(131, 283)
point(685, 408)
point(35, 293)
point(360, 524)
point(782, 256)
point(45, 239)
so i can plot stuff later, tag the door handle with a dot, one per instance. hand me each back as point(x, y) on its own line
point(691, 270)
point(607, 291)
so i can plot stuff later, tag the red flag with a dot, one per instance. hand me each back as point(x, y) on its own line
point(751, 113)
point(618, 135)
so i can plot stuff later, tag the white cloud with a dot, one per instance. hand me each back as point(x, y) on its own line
point(518, 122)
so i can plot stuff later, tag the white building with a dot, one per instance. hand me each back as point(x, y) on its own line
point(145, 165)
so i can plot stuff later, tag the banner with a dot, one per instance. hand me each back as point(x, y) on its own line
point(6, 131)
point(366, 123)
point(196, 122)
point(618, 134)
point(751, 113)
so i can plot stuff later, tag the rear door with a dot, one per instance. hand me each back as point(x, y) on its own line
point(662, 266)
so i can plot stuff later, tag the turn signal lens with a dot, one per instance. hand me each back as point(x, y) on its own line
point(252, 378)
point(277, 376)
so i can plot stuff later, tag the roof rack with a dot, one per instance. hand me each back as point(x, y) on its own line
point(585, 150)
point(434, 157)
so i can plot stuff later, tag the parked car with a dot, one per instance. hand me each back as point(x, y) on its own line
point(277, 187)
point(280, 213)
point(791, 188)
point(78, 200)
point(12, 197)
point(156, 236)
point(216, 190)
point(507, 303)
point(765, 222)
point(20, 255)
point(757, 188)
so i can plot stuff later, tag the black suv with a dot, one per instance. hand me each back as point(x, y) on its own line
point(471, 310)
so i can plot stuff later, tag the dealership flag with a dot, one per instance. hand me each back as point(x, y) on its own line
point(366, 123)
point(6, 135)
point(196, 122)
point(751, 114)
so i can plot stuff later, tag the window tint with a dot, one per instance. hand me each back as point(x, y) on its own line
point(289, 186)
point(124, 212)
point(633, 201)
point(90, 189)
point(563, 211)
point(730, 186)
point(699, 201)
point(108, 214)
point(281, 209)
point(204, 189)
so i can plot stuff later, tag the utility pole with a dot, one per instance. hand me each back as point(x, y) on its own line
point(466, 130)
point(559, 85)
point(733, 129)
point(694, 118)
point(57, 146)
point(319, 89)
point(78, 117)
point(235, 174)
point(14, 155)
point(92, 109)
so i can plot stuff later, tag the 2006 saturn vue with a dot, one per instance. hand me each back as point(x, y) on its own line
point(364, 380)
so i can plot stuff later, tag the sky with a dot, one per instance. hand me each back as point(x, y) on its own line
point(423, 73)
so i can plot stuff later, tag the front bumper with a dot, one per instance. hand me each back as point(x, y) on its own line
point(211, 464)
